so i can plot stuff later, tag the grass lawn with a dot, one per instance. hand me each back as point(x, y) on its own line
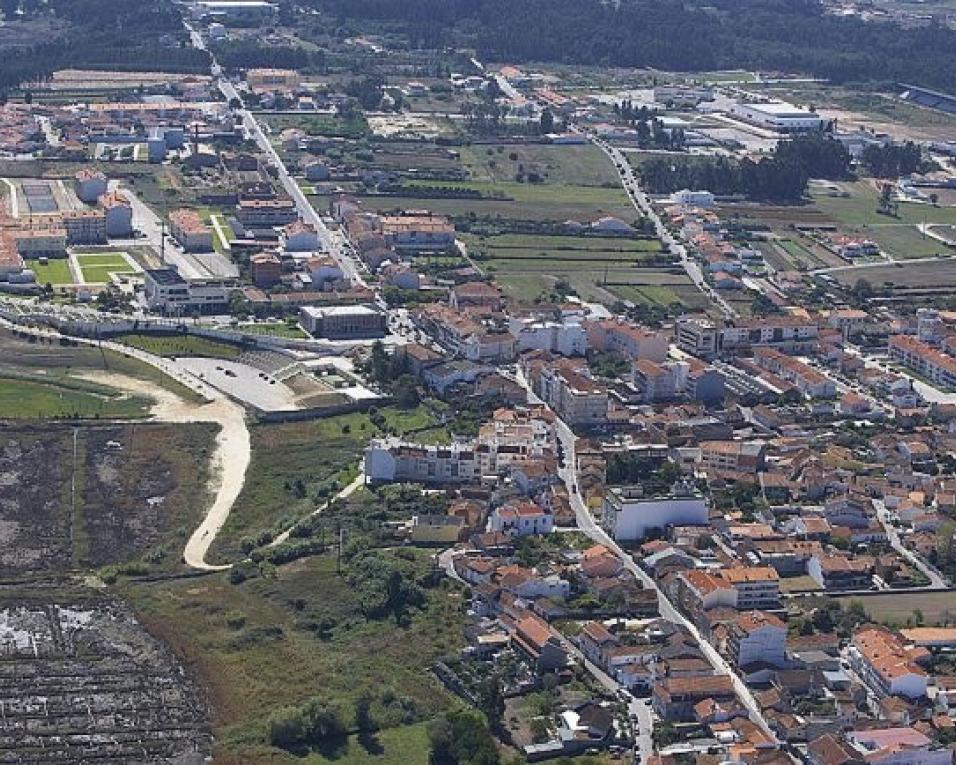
point(860, 209)
point(96, 268)
point(53, 272)
point(220, 245)
point(299, 633)
point(30, 398)
point(180, 345)
point(275, 329)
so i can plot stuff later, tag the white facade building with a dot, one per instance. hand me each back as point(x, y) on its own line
point(629, 515)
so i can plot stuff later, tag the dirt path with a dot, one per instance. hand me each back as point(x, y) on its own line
point(230, 459)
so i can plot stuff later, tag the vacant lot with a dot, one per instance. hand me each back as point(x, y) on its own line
point(301, 633)
point(100, 495)
point(934, 274)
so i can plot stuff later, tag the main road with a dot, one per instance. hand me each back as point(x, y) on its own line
point(307, 212)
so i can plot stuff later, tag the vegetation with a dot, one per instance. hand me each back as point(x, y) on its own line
point(23, 397)
point(775, 35)
point(181, 345)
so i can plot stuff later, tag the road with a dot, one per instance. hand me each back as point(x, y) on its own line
point(594, 531)
point(643, 205)
point(305, 209)
point(936, 580)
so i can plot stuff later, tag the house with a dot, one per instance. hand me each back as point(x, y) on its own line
point(119, 215)
point(835, 571)
point(265, 269)
point(299, 236)
point(593, 640)
point(536, 640)
point(898, 746)
point(90, 185)
point(674, 698)
point(475, 295)
point(757, 636)
point(584, 726)
point(521, 519)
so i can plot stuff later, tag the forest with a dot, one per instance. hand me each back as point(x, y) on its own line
point(770, 35)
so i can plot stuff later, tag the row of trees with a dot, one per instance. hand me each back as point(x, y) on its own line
point(782, 176)
point(892, 160)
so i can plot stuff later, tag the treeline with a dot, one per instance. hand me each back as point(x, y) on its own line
point(679, 35)
point(99, 34)
point(780, 177)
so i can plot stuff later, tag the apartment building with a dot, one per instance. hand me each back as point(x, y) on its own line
point(656, 382)
point(938, 367)
point(475, 295)
point(757, 587)
point(628, 514)
point(266, 212)
point(35, 239)
point(704, 339)
point(566, 337)
point(809, 381)
point(736, 456)
point(85, 226)
point(626, 340)
point(90, 185)
point(886, 665)
point(835, 571)
point(566, 385)
point(187, 228)
point(466, 337)
point(170, 293)
point(416, 232)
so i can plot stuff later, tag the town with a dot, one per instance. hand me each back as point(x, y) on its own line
point(369, 396)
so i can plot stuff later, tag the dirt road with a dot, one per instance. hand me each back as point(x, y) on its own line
point(230, 459)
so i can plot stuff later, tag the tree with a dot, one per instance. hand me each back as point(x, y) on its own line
point(547, 121)
point(491, 701)
point(461, 737)
point(406, 392)
point(364, 721)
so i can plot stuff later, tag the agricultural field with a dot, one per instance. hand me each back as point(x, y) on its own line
point(929, 275)
point(180, 345)
point(100, 495)
point(303, 631)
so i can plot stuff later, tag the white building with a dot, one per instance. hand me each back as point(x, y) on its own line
point(688, 198)
point(779, 116)
point(532, 334)
point(629, 515)
point(757, 637)
point(521, 519)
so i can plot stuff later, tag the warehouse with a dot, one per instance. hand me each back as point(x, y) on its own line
point(779, 116)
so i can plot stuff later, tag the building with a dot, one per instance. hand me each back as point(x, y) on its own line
point(757, 636)
point(90, 185)
point(272, 79)
point(300, 236)
point(85, 226)
point(521, 519)
point(835, 571)
point(566, 337)
point(389, 461)
point(757, 587)
point(629, 515)
point(674, 698)
point(698, 337)
point(735, 456)
point(688, 198)
point(39, 240)
point(627, 340)
point(810, 382)
point(779, 116)
point(254, 213)
point(236, 11)
point(265, 269)
point(475, 295)
point(167, 291)
point(939, 368)
point(539, 643)
point(416, 232)
point(886, 665)
point(898, 746)
point(350, 322)
point(704, 339)
point(656, 382)
point(187, 228)
point(119, 215)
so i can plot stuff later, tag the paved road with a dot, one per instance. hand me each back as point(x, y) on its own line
point(936, 580)
point(306, 211)
point(590, 527)
point(643, 205)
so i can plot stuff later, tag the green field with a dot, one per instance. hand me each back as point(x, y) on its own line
point(53, 272)
point(29, 398)
point(96, 268)
point(564, 165)
point(896, 608)
point(300, 633)
point(274, 329)
point(180, 345)
point(219, 244)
